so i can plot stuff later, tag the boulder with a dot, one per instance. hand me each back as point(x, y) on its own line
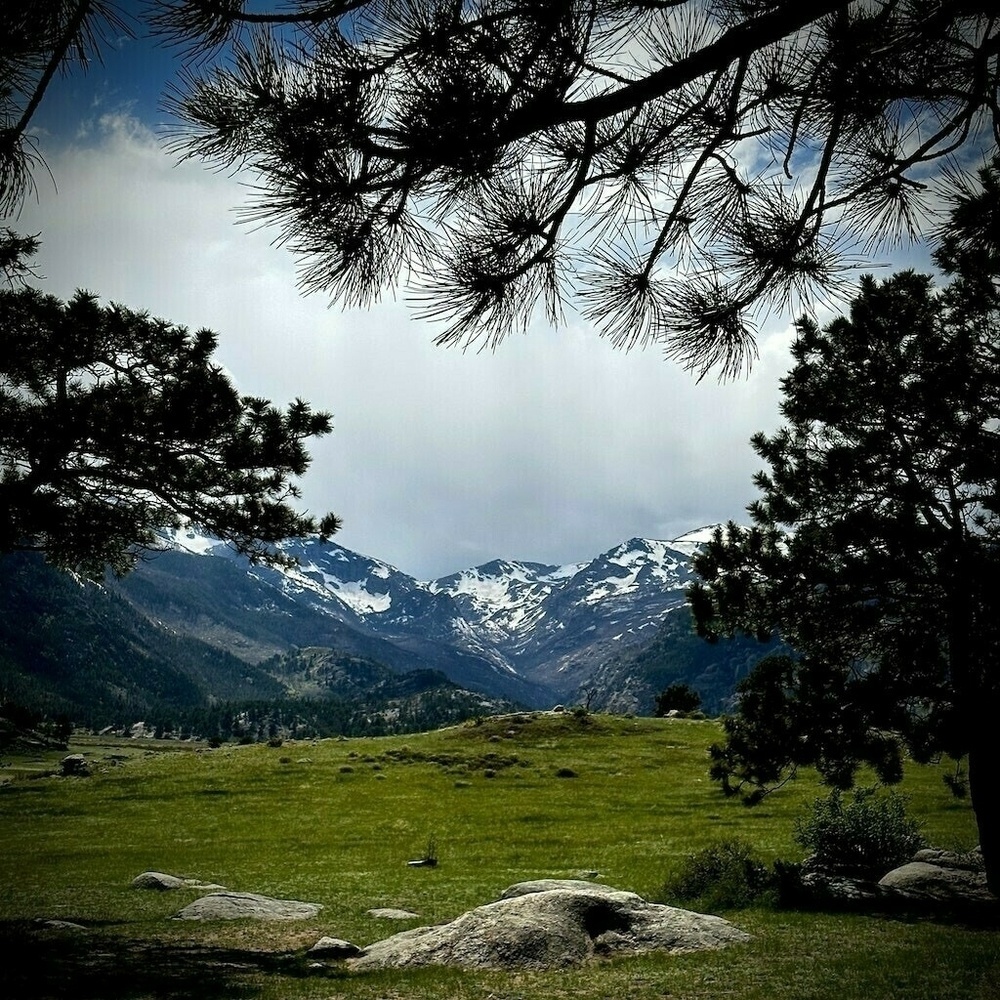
point(391, 913)
point(160, 881)
point(968, 861)
point(533, 927)
point(75, 766)
point(163, 882)
point(548, 884)
point(335, 949)
point(246, 906)
point(822, 889)
point(921, 880)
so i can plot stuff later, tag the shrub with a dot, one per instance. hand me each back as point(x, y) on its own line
point(865, 836)
point(725, 875)
point(565, 772)
point(678, 697)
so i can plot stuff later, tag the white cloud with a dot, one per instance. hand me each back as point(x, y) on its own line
point(553, 448)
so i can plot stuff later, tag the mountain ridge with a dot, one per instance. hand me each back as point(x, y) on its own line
point(516, 631)
point(543, 625)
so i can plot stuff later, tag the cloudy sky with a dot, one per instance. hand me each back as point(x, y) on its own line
point(552, 448)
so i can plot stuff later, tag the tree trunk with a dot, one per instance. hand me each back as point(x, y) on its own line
point(984, 790)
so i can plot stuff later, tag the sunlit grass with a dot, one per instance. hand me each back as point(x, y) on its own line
point(335, 822)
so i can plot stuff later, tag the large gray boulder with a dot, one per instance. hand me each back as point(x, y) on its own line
point(967, 860)
point(943, 883)
point(548, 884)
point(246, 906)
point(534, 927)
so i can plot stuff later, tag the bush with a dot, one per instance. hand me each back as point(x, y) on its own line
point(864, 837)
point(725, 876)
point(678, 697)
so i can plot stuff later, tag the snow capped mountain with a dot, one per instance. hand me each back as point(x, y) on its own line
point(504, 599)
point(548, 626)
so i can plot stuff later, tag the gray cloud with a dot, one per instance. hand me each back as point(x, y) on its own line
point(553, 447)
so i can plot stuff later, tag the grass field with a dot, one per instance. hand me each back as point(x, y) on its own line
point(335, 822)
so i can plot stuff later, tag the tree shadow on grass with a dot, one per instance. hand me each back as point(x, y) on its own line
point(51, 964)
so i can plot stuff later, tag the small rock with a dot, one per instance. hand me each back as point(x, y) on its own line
point(389, 913)
point(157, 880)
point(334, 949)
point(163, 882)
point(61, 925)
point(246, 906)
point(75, 766)
point(827, 888)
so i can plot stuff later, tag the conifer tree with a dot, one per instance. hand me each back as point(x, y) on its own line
point(115, 425)
point(874, 548)
point(670, 169)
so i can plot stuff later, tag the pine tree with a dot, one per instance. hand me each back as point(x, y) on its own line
point(875, 545)
point(672, 170)
point(115, 425)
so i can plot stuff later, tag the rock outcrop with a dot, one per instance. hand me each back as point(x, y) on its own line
point(931, 879)
point(75, 766)
point(552, 924)
point(941, 876)
point(246, 906)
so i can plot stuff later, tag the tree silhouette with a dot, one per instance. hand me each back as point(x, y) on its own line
point(115, 426)
point(875, 545)
point(677, 697)
point(671, 167)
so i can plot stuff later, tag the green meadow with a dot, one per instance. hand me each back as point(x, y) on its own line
point(335, 822)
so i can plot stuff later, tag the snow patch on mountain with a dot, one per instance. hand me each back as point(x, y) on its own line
point(193, 540)
point(691, 541)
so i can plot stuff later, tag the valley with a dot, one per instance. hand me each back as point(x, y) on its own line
point(198, 640)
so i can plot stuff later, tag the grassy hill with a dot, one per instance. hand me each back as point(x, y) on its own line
point(335, 822)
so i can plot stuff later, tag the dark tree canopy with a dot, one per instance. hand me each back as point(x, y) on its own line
point(114, 426)
point(671, 168)
point(678, 697)
point(875, 546)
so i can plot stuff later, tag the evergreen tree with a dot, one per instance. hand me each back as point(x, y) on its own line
point(679, 697)
point(875, 546)
point(672, 168)
point(115, 425)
